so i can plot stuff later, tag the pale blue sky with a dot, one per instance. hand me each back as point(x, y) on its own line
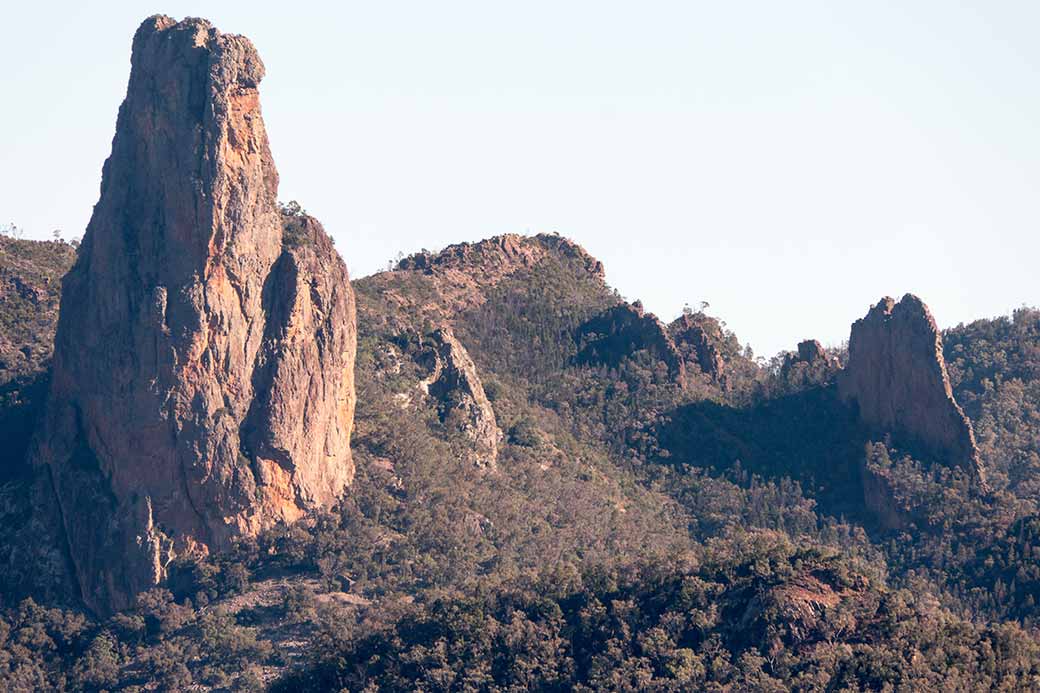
point(788, 162)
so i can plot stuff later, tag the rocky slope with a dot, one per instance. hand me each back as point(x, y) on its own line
point(203, 370)
point(30, 289)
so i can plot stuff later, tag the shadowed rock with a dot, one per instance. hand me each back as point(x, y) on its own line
point(620, 331)
point(896, 376)
point(203, 366)
point(696, 336)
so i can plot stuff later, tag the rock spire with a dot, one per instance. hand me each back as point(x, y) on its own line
point(203, 367)
point(896, 376)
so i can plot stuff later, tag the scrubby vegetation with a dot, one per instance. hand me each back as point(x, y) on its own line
point(644, 529)
point(30, 281)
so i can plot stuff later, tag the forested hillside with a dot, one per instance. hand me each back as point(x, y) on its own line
point(663, 512)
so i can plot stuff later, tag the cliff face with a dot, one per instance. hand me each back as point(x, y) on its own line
point(896, 376)
point(203, 368)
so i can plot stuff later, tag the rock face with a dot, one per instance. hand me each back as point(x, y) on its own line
point(463, 405)
point(696, 337)
point(896, 376)
point(203, 369)
point(622, 330)
point(812, 352)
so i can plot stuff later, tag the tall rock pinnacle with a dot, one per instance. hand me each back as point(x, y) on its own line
point(897, 377)
point(203, 370)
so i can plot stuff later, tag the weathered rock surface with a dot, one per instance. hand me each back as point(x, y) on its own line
point(620, 331)
point(461, 401)
point(203, 367)
point(499, 256)
point(438, 287)
point(812, 352)
point(896, 376)
point(697, 337)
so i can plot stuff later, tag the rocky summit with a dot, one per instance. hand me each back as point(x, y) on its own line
point(203, 368)
point(896, 377)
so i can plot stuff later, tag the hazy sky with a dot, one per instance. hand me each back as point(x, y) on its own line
point(788, 162)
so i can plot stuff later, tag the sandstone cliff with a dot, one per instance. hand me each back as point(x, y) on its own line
point(203, 368)
point(461, 402)
point(897, 379)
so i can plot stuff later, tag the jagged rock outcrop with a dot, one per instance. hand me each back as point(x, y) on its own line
point(697, 337)
point(437, 288)
point(896, 377)
point(812, 352)
point(810, 365)
point(785, 615)
point(203, 368)
point(500, 256)
point(462, 403)
point(620, 331)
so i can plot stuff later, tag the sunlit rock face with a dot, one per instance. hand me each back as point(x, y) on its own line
point(462, 403)
point(203, 367)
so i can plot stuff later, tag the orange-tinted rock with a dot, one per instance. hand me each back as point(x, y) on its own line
point(203, 368)
point(438, 287)
point(897, 379)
